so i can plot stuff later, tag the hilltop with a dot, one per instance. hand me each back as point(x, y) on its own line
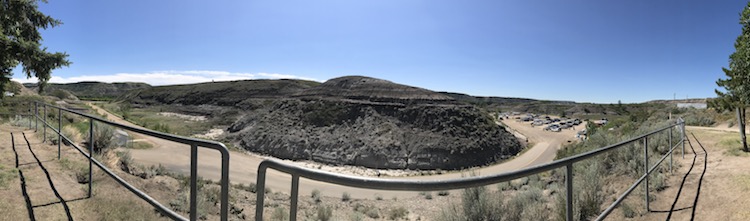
point(225, 93)
point(91, 90)
point(374, 90)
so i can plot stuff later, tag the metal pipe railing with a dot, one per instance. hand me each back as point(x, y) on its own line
point(15, 112)
point(468, 182)
point(193, 142)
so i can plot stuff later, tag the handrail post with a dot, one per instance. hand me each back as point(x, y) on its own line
point(59, 131)
point(294, 197)
point(31, 116)
point(645, 169)
point(91, 152)
point(193, 182)
point(36, 116)
point(260, 192)
point(670, 149)
point(569, 192)
point(44, 127)
point(224, 213)
point(682, 127)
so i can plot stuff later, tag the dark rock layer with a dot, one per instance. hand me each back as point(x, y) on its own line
point(351, 120)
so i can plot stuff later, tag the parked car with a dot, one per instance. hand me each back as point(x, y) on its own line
point(537, 122)
point(577, 121)
point(552, 126)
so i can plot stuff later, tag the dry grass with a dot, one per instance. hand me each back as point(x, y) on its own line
point(72, 133)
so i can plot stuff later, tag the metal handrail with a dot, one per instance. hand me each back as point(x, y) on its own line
point(193, 142)
point(435, 185)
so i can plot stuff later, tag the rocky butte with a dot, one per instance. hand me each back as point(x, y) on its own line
point(352, 120)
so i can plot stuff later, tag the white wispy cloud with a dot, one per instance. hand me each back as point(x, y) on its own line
point(169, 77)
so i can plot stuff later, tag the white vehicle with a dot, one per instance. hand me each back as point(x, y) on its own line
point(537, 122)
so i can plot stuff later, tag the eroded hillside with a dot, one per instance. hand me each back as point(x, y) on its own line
point(350, 120)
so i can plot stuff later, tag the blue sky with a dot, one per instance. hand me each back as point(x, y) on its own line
point(586, 51)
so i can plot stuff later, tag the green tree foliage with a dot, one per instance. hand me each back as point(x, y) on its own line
point(737, 94)
point(20, 42)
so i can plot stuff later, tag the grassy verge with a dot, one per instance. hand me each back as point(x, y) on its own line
point(149, 117)
point(729, 142)
point(6, 175)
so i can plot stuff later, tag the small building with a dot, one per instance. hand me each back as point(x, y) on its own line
point(8, 94)
point(693, 105)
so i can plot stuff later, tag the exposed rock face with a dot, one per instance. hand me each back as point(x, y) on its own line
point(376, 136)
point(377, 124)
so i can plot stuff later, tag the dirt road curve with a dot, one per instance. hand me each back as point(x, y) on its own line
point(243, 167)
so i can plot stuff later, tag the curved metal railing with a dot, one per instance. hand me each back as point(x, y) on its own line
point(193, 142)
point(434, 185)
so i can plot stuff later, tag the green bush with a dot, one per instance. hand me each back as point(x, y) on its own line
point(372, 212)
point(162, 127)
point(518, 183)
point(699, 121)
point(589, 191)
point(103, 138)
point(627, 210)
point(346, 197)
point(657, 181)
point(397, 213)
point(356, 217)
point(503, 186)
point(250, 187)
point(316, 196)
point(126, 161)
point(19, 121)
point(378, 197)
point(82, 175)
point(280, 214)
point(479, 205)
point(324, 213)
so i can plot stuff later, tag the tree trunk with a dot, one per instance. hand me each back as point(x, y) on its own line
point(741, 123)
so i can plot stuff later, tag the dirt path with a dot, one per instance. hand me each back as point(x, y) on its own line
point(712, 183)
point(243, 166)
point(35, 185)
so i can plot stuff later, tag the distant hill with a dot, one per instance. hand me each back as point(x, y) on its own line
point(89, 90)
point(526, 105)
point(225, 93)
point(488, 100)
point(374, 90)
point(676, 101)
